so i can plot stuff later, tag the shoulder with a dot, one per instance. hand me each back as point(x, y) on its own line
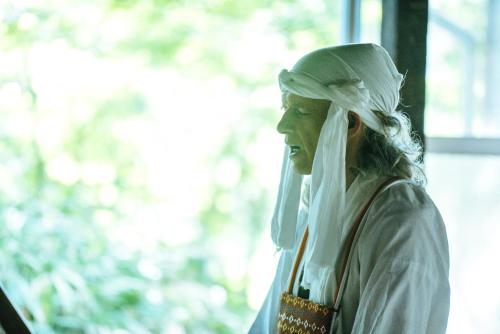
point(404, 203)
point(404, 194)
point(404, 225)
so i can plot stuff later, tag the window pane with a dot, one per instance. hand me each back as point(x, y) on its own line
point(371, 21)
point(469, 206)
point(463, 72)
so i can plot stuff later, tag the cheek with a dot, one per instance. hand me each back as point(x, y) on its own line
point(314, 138)
point(311, 138)
point(316, 129)
point(310, 132)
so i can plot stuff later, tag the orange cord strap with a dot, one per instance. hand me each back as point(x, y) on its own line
point(298, 259)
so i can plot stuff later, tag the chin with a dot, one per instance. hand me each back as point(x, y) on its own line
point(302, 170)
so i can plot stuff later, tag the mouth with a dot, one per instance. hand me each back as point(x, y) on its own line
point(294, 150)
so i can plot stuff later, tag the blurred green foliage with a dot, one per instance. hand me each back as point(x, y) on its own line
point(77, 193)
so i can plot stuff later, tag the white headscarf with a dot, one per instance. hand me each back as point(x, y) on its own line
point(354, 77)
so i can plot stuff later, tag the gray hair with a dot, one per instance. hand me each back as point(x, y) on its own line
point(397, 152)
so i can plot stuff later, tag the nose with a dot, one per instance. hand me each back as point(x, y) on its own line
point(283, 126)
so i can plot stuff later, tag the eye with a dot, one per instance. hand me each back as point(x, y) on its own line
point(300, 112)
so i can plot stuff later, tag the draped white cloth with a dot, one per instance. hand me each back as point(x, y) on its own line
point(400, 281)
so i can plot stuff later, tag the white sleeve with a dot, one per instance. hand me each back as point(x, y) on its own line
point(262, 322)
point(267, 317)
point(403, 259)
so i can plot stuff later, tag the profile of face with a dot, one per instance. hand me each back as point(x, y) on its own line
point(301, 124)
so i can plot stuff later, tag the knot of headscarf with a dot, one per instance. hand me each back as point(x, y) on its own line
point(349, 94)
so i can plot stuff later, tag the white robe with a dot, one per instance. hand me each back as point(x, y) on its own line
point(398, 279)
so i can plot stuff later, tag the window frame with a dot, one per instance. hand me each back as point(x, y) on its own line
point(351, 33)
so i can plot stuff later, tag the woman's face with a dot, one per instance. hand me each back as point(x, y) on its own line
point(301, 124)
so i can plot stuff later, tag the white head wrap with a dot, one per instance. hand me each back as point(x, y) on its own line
point(354, 77)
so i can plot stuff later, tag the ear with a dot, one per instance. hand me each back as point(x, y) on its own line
point(355, 125)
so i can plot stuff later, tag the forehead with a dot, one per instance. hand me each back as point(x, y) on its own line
point(290, 99)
